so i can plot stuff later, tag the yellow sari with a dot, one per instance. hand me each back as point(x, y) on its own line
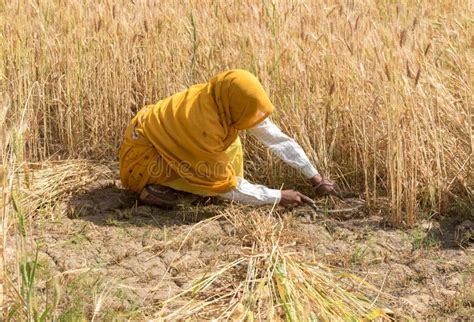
point(189, 141)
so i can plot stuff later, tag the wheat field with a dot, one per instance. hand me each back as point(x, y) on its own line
point(379, 94)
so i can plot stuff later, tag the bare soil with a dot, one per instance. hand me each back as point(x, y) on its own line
point(113, 249)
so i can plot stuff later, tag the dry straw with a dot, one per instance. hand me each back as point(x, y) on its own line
point(44, 186)
point(269, 281)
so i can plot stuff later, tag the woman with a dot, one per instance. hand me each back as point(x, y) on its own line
point(187, 145)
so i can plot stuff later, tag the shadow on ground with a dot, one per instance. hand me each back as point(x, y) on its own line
point(452, 232)
point(108, 202)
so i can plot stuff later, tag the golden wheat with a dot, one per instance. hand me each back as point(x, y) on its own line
point(379, 95)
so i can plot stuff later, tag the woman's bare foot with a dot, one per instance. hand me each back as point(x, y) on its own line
point(166, 197)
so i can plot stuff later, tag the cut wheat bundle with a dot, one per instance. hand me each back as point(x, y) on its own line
point(39, 185)
point(269, 281)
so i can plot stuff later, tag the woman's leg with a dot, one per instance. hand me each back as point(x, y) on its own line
point(140, 164)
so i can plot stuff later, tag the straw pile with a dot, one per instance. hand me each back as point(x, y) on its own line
point(40, 186)
point(270, 281)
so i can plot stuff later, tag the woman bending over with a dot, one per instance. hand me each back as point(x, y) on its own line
point(187, 145)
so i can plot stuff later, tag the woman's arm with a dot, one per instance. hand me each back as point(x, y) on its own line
point(292, 154)
point(254, 194)
point(284, 147)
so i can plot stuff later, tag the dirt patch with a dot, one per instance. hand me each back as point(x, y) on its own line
point(138, 256)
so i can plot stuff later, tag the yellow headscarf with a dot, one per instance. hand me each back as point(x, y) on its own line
point(192, 129)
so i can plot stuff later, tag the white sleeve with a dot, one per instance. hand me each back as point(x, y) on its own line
point(252, 194)
point(283, 146)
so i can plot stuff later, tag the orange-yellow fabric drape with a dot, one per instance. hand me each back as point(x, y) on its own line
point(186, 135)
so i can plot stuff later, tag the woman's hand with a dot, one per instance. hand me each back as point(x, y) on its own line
point(292, 198)
point(323, 186)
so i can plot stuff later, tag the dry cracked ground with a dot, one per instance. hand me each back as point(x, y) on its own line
point(124, 259)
